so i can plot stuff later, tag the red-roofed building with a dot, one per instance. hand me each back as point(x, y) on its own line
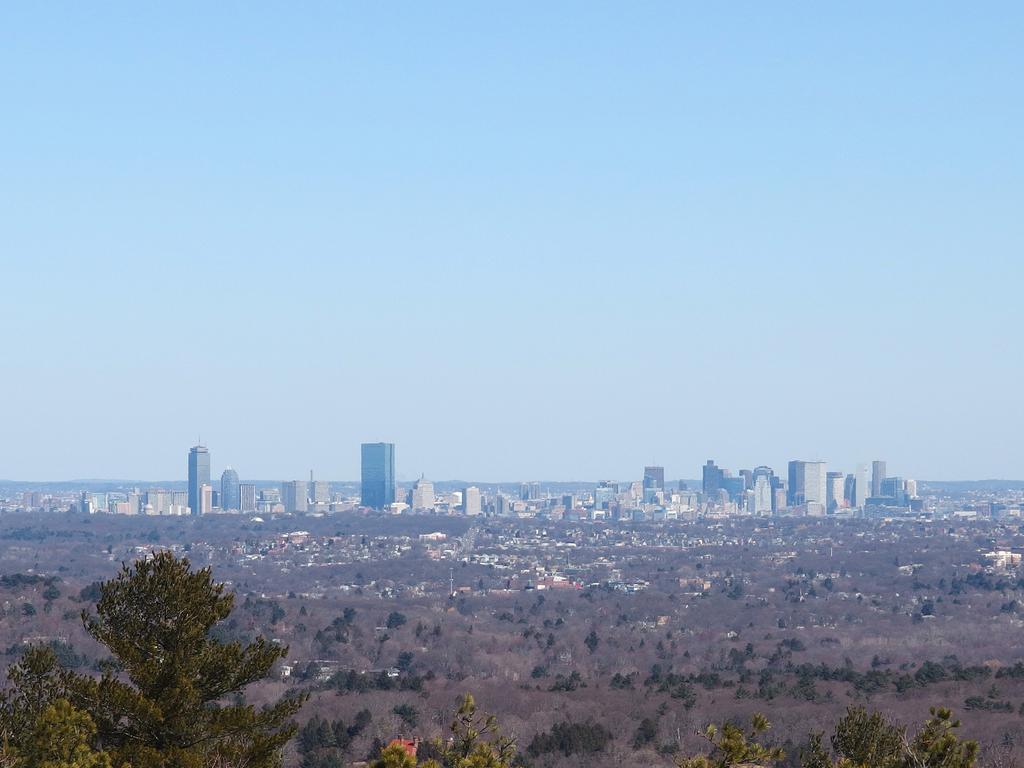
point(410, 747)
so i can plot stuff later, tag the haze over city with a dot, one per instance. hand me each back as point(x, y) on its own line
point(556, 245)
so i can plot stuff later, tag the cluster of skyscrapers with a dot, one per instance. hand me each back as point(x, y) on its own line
point(232, 495)
point(378, 488)
point(808, 488)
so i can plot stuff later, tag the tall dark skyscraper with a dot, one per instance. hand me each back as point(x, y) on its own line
point(712, 479)
point(230, 490)
point(198, 475)
point(378, 477)
point(877, 477)
point(654, 477)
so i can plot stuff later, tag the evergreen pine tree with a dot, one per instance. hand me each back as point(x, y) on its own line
point(172, 699)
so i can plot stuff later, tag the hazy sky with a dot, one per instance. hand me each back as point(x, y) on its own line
point(520, 240)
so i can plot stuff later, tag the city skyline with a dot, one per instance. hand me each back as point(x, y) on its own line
point(808, 488)
point(806, 483)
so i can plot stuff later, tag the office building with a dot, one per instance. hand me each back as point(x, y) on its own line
point(501, 505)
point(835, 491)
point(711, 480)
point(860, 487)
point(198, 476)
point(773, 483)
point(807, 483)
point(605, 494)
point(247, 497)
point(205, 499)
point(654, 477)
point(159, 502)
point(92, 503)
point(892, 488)
point(230, 490)
point(736, 487)
point(761, 501)
point(850, 490)
point(295, 496)
point(652, 495)
point(780, 498)
point(877, 477)
point(529, 491)
point(421, 497)
point(270, 501)
point(320, 492)
point(378, 475)
point(471, 501)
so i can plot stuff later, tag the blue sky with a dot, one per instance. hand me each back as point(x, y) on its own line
point(540, 240)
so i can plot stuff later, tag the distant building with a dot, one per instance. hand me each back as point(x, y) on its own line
point(835, 490)
point(247, 497)
point(779, 499)
point(205, 499)
point(711, 480)
point(849, 490)
point(529, 491)
point(378, 475)
point(807, 483)
point(654, 477)
point(93, 503)
point(270, 501)
point(856, 487)
point(501, 505)
point(761, 502)
point(320, 492)
point(422, 495)
point(160, 502)
point(893, 488)
point(230, 490)
point(860, 488)
point(769, 477)
point(471, 501)
point(295, 496)
point(877, 477)
point(198, 476)
point(736, 487)
point(605, 494)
